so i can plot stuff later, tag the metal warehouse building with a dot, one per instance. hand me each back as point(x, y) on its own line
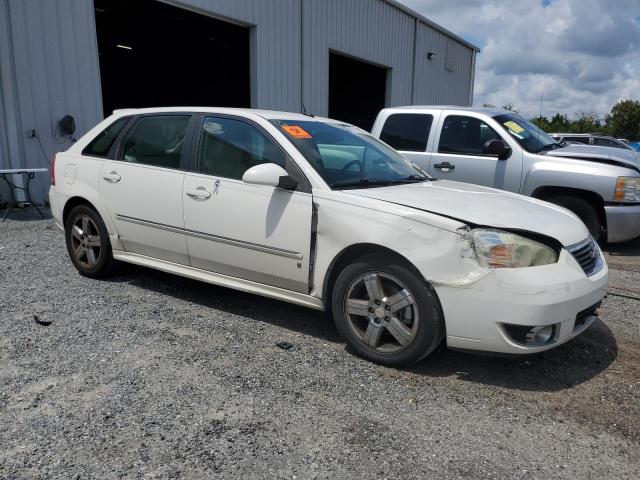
point(341, 58)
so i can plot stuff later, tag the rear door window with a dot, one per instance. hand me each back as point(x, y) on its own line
point(408, 132)
point(157, 140)
point(465, 135)
point(101, 145)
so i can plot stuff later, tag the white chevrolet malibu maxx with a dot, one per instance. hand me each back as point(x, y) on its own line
point(319, 213)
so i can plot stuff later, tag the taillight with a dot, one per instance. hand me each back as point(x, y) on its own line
point(53, 170)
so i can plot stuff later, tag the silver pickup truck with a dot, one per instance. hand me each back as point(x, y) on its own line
point(500, 149)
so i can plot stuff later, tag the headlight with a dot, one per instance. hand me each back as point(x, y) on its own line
point(499, 249)
point(627, 189)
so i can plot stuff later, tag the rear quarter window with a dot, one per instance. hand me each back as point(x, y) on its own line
point(101, 145)
point(407, 131)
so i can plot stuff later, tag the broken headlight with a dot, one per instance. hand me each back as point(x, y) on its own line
point(500, 249)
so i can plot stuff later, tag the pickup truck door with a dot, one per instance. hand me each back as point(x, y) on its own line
point(458, 154)
point(254, 232)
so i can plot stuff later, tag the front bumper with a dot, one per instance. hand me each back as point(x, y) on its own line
point(623, 222)
point(536, 296)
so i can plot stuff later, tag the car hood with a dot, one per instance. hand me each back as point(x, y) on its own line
point(483, 206)
point(610, 155)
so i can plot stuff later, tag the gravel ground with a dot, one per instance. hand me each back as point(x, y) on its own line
point(152, 376)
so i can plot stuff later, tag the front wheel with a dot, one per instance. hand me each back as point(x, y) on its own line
point(88, 242)
point(385, 311)
point(584, 211)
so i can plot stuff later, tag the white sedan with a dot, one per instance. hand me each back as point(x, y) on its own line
point(319, 213)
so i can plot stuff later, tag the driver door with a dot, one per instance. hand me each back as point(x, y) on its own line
point(254, 232)
point(458, 154)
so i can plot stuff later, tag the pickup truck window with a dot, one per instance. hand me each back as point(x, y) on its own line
point(530, 137)
point(606, 142)
point(348, 157)
point(407, 131)
point(465, 135)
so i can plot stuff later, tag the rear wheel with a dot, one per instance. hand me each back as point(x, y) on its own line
point(88, 242)
point(584, 210)
point(385, 311)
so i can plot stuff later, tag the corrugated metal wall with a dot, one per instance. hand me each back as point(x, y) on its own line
point(49, 62)
point(275, 44)
point(434, 83)
point(48, 69)
point(370, 30)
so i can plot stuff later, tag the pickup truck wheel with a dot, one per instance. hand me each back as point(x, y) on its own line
point(385, 311)
point(88, 243)
point(584, 210)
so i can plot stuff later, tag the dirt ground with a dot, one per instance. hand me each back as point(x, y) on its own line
point(147, 375)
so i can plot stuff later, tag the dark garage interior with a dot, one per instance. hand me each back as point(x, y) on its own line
point(357, 90)
point(154, 55)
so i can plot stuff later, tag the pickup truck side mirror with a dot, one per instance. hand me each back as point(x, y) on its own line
point(498, 148)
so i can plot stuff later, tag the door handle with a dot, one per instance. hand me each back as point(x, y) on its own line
point(444, 166)
point(198, 193)
point(112, 177)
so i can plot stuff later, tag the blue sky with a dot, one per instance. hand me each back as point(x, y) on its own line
point(583, 54)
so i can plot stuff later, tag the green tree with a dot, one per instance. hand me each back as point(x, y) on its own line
point(586, 123)
point(542, 123)
point(559, 123)
point(511, 107)
point(624, 120)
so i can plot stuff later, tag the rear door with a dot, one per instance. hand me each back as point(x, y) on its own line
point(142, 186)
point(458, 154)
point(253, 232)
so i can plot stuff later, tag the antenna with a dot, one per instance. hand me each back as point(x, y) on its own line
point(540, 115)
point(304, 111)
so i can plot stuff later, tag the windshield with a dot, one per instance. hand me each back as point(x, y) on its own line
point(348, 157)
point(532, 138)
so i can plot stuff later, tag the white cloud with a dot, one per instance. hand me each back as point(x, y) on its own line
point(583, 54)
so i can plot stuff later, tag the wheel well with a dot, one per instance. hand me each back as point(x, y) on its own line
point(595, 200)
point(348, 255)
point(71, 204)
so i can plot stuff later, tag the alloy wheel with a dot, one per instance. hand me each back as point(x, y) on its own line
point(85, 241)
point(381, 312)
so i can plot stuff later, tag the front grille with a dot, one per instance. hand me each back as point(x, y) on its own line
point(587, 255)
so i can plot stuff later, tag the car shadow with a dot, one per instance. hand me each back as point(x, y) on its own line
point(626, 249)
point(566, 366)
point(275, 312)
point(561, 368)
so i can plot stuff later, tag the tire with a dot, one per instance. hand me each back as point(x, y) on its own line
point(88, 243)
point(404, 333)
point(585, 212)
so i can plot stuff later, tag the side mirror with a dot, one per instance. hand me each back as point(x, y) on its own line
point(498, 148)
point(271, 175)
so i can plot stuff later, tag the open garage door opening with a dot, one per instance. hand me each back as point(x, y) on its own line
point(154, 54)
point(357, 90)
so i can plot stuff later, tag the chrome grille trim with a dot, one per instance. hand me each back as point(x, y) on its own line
point(588, 255)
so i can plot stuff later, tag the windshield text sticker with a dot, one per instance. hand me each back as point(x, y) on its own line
point(295, 131)
point(513, 126)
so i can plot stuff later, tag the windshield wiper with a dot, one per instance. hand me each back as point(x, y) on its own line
point(367, 182)
point(550, 146)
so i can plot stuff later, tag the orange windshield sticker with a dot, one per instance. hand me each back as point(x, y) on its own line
point(295, 131)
